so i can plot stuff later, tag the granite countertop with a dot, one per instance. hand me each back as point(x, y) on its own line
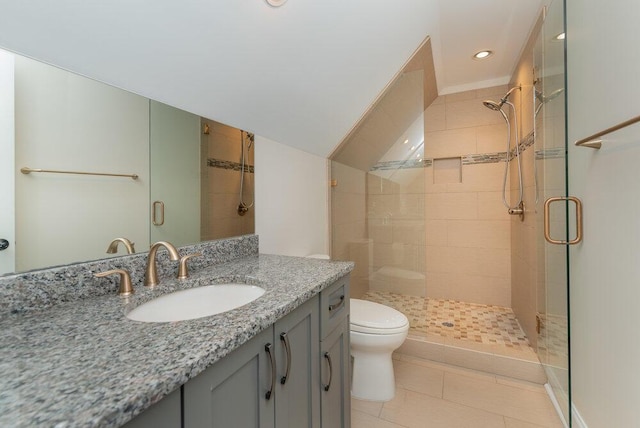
point(84, 363)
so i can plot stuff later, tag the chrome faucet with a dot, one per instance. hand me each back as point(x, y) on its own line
point(151, 275)
point(113, 246)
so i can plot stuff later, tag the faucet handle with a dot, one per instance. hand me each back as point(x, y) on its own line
point(126, 288)
point(183, 270)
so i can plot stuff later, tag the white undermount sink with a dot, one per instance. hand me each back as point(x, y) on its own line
point(196, 302)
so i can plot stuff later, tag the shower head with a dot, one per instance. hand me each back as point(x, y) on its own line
point(493, 105)
point(546, 98)
point(497, 106)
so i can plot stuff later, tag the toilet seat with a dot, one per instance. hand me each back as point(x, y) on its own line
point(374, 318)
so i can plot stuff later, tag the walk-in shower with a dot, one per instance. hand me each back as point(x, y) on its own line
point(246, 140)
point(518, 208)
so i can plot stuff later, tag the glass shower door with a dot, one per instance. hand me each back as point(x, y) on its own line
point(551, 182)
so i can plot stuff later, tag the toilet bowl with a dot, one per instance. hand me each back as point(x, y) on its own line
point(376, 331)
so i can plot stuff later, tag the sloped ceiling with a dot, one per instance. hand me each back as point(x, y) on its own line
point(301, 74)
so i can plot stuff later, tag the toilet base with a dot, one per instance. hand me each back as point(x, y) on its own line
point(373, 377)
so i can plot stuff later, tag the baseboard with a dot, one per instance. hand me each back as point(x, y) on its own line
point(576, 418)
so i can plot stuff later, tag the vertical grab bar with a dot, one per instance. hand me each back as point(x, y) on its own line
point(154, 216)
point(547, 222)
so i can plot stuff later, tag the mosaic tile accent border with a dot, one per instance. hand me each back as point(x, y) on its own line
point(393, 165)
point(485, 324)
point(471, 159)
point(555, 153)
point(484, 158)
point(224, 164)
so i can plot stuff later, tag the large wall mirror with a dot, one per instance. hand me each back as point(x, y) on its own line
point(170, 175)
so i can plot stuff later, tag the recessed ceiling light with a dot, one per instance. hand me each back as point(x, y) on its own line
point(559, 36)
point(276, 3)
point(482, 54)
point(405, 141)
point(412, 147)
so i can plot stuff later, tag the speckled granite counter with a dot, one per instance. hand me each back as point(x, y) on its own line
point(83, 363)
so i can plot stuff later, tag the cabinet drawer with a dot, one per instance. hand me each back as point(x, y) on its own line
point(334, 306)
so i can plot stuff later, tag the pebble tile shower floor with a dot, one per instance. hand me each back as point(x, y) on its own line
point(483, 324)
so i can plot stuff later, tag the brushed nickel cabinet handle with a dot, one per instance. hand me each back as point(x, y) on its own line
point(337, 305)
point(327, 357)
point(285, 341)
point(267, 349)
point(547, 222)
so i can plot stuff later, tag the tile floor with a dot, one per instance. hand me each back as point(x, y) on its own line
point(483, 324)
point(434, 395)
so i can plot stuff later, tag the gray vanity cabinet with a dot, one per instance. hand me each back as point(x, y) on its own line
point(294, 374)
point(232, 392)
point(242, 390)
point(335, 356)
point(163, 414)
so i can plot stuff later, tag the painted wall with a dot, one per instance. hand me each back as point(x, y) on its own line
point(467, 227)
point(291, 200)
point(7, 180)
point(603, 90)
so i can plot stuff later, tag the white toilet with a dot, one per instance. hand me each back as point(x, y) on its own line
point(376, 331)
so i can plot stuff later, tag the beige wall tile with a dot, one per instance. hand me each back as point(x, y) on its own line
point(490, 206)
point(479, 233)
point(451, 206)
point(409, 232)
point(492, 93)
point(486, 177)
point(347, 207)
point(449, 143)
point(474, 360)
point(350, 180)
point(434, 118)
point(436, 232)
point(465, 114)
point(461, 96)
point(531, 371)
point(492, 138)
point(431, 349)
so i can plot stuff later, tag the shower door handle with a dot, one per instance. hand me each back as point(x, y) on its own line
point(547, 222)
point(154, 216)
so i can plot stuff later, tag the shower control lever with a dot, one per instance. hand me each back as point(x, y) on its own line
point(519, 211)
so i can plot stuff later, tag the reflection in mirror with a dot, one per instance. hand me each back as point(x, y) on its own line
point(56, 120)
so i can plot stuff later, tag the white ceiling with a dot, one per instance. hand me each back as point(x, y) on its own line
point(302, 74)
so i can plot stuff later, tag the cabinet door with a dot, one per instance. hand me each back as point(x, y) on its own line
point(163, 414)
point(336, 378)
point(297, 391)
point(232, 392)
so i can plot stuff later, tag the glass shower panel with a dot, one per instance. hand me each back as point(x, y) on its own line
point(550, 164)
point(378, 193)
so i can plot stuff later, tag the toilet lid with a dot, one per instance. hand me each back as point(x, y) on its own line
point(369, 317)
